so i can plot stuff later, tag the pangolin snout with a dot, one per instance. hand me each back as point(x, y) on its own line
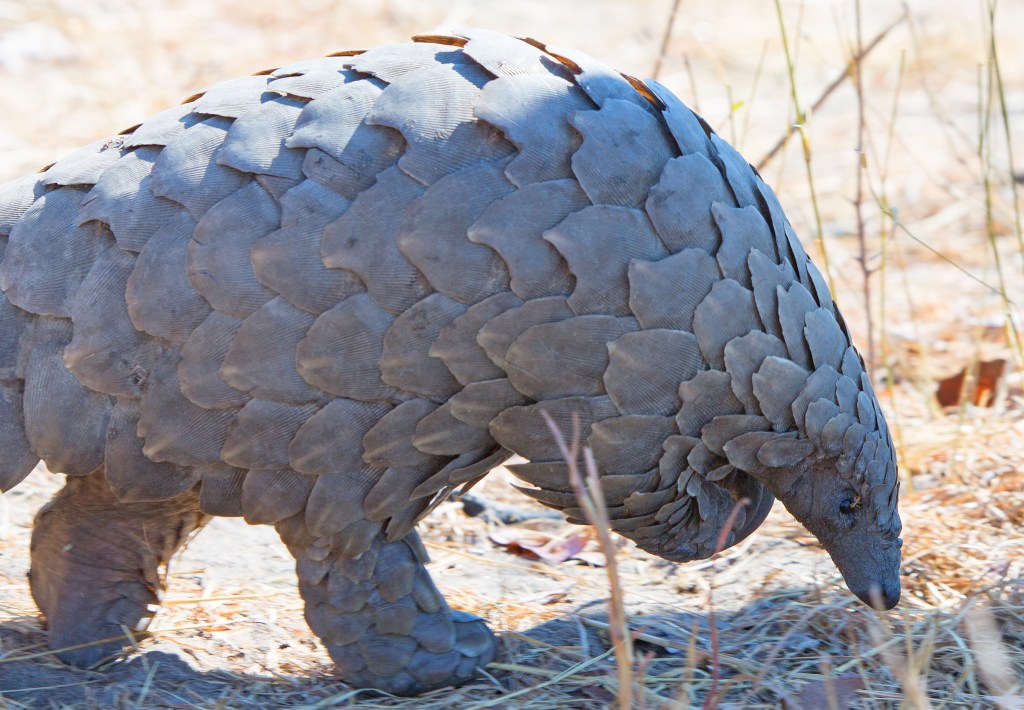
point(879, 595)
point(871, 571)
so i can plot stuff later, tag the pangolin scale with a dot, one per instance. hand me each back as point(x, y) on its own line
point(327, 296)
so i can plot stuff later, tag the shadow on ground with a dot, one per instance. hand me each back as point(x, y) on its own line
point(158, 678)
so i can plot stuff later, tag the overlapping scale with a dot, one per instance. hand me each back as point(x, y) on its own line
point(405, 362)
point(16, 197)
point(161, 129)
point(132, 476)
point(311, 78)
point(331, 441)
point(433, 109)
point(776, 384)
point(288, 259)
point(743, 357)
point(645, 369)
point(271, 496)
point(160, 277)
point(505, 56)
point(201, 358)
point(743, 231)
point(218, 261)
point(523, 431)
point(456, 344)
point(123, 198)
point(261, 358)
point(85, 165)
point(364, 240)
point(342, 350)
point(106, 353)
point(231, 99)
point(727, 312)
point(19, 458)
point(49, 253)
point(187, 172)
point(624, 151)
point(502, 330)
point(259, 437)
point(255, 142)
point(666, 293)
point(599, 243)
point(345, 152)
point(514, 228)
point(564, 358)
point(631, 443)
point(534, 111)
point(55, 402)
point(679, 205)
point(176, 429)
point(433, 233)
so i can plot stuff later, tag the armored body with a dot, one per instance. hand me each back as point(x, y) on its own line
point(326, 296)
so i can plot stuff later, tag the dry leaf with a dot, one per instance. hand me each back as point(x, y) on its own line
point(561, 548)
point(979, 388)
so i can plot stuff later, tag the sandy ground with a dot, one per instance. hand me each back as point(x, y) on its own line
point(232, 627)
point(231, 633)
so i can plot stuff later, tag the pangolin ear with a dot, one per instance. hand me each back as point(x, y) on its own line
point(771, 457)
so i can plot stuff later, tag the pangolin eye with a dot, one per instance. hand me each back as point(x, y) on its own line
point(849, 505)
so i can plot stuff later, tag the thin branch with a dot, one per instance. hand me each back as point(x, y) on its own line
point(943, 257)
point(800, 126)
point(723, 535)
point(858, 202)
point(663, 50)
point(836, 83)
point(592, 501)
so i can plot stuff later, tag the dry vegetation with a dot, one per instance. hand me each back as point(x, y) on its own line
point(915, 201)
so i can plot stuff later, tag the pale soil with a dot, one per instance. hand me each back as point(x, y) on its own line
point(249, 644)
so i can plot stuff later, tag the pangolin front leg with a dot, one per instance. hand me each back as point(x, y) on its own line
point(380, 616)
point(99, 565)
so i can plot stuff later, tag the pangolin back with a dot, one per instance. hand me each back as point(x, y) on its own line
point(350, 286)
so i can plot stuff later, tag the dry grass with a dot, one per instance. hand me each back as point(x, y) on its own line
point(929, 260)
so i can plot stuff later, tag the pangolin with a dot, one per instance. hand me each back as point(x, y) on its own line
point(327, 296)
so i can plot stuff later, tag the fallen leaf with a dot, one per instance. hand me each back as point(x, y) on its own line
point(979, 388)
point(560, 548)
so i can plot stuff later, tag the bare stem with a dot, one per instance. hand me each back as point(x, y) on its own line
point(723, 535)
point(836, 83)
point(996, 83)
point(858, 201)
point(591, 499)
point(665, 38)
point(986, 98)
point(800, 126)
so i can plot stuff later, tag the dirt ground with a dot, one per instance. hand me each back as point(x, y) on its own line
point(787, 633)
point(232, 627)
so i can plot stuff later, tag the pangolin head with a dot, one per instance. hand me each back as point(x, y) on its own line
point(835, 471)
point(853, 514)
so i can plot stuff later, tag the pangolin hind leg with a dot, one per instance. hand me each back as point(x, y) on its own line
point(99, 565)
point(380, 616)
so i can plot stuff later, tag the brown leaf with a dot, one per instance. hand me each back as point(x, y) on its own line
point(830, 693)
point(561, 548)
point(975, 384)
